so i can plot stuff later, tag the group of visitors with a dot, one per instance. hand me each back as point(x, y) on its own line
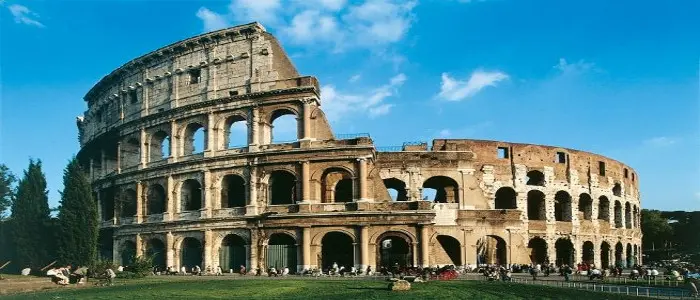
point(64, 275)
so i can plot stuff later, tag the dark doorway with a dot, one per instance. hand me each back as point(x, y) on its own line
point(337, 247)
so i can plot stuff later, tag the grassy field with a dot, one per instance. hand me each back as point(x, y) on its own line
point(210, 288)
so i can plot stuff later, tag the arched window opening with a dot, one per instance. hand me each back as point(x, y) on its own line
point(394, 249)
point(605, 255)
point(619, 251)
point(588, 252)
point(617, 190)
point(618, 214)
point(337, 248)
point(628, 215)
point(233, 191)
point(191, 195)
point(282, 252)
point(630, 256)
point(282, 188)
point(536, 209)
point(491, 249)
point(565, 252)
point(562, 206)
point(232, 254)
point(128, 203)
point(155, 250)
point(336, 186)
point(156, 199)
point(283, 127)
point(194, 140)
point(131, 153)
point(236, 132)
point(446, 189)
point(538, 250)
point(396, 188)
point(535, 177)
point(191, 253)
point(128, 253)
point(107, 197)
point(604, 209)
point(506, 198)
point(585, 206)
point(159, 147)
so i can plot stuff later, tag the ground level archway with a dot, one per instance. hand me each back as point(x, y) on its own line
point(588, 252)
point(155, 250)
point(565, 252)
point(337, 248)
point(394, 249)
point(605, 255)
point(491, 249)
point(451, 247)
point(233, 253)
point(127, 253)
point(282, 252)
point(538, 250)
point(191, 253)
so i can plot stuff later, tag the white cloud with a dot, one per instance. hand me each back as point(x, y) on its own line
point(212, 21)
point(661, 141)
point(312, 26)
point(263, 11)
point(24, 15)
point(576, 67)
point(444, 133)
point(452, 89)
point(354, 78)
point(337, 104)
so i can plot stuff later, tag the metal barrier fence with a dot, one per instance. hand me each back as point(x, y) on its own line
point(644, 291)
point(640, 281)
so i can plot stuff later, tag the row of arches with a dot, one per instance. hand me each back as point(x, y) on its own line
point(439, 189)
point(565, 253)
point(537, 178)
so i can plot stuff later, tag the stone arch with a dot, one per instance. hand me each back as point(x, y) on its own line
point(396, 188)
point(446, 189)
point(588, 252)
point(635, 216)
point(605, 255)
point(536, 209)
point(235, 131)
point(190, 195)
point(316, 239)
point(506, 198)
point(281, 251)
point(394, 248)
point(451, 247)
point(155, 199)
point(127, 205)
point(629, 255)
point(562, 206)
point(617, 189)
point(628, 215)
point(604, 209)
point(337, 185)
point(565, 252)
point(127, 253)
point(538, 250)
point(278, 136)
point(282, 187)
point(233, 252)
point(130, 152)
point(159, 146)
point(535, 177)
point(233, 191)
point(585, 206)
point(337, 247)
point(191, 252)
point(618, 214)
point(491, 249)
point(156, 251)
point(193, 138)
point(619, 251)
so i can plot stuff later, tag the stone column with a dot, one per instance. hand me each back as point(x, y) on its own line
point(305, 182)
point(307, 119)
point(424, 246)
point(207, 195)
point(139, 245)
point(306, 249)
point(362, 176)
point(115, 252)
point(254, 243)
point(92, 169)
point(364, 247)
point(170, 207)
point(208, 245)
point(103, 166)
point(210, 145)
point(119, 157)
point(139, 202)
point(252, 207)
point(254, 130)
point(100, 216)
point(173, 141)
point(170, 250)
point(142, 148)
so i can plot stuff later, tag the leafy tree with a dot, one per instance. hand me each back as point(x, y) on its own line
point(77, 218)
point(6, 192)
point(657, 231)
point(31, 230)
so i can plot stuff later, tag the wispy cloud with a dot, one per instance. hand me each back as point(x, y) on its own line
point(23, 15)
point(452, 89)
point(212, 21)
point(577, 67)
point(354, 78)
point(339, 104)
point(661, 141)
point(444, 133)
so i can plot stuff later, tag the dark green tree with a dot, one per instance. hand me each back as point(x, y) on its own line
point(656, 229)
point(77, 218)
point(31, 231)
point(6, 192)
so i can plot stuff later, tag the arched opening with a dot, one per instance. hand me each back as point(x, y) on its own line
point(491, 249)
point(107, 196)
point(588, 252)
point(585, 206)
point(562, 206)
point(191, 195)
point(618, 214)
point(451, 247)
point(159, 146)
point(605, 255)
point(232, 254)
point(396, 188)
point(282, 188)
point(233, 191)
point(538, 250)
point(446, 189)
point(191, 253)
point(155, 250)
point(127, 253)
point(194, 140)
point(337, 247)
point(283, 127)
point(235, 132)
point(506, 198)
point(394, 249)
point(617, 190)
point(604, 209)
point(535, 177)
point(618, 255)
point(635, 216)
point(156, 199)
point(636, 254)
point(336, 185)
point(282, 252)
point(130, 153)
point(628, 215)
point(565, 252)
point(536, 209)
point(128, 203)
point(630, 256)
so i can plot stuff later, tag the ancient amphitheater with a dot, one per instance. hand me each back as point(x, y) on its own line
point(324, 198)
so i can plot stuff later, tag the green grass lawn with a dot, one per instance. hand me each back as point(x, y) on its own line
point(209, 288)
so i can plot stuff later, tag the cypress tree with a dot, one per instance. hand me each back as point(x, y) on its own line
point(77, 218)
point(6, 180)
point(32, 234)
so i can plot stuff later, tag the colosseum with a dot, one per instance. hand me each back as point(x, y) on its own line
point(323, 197)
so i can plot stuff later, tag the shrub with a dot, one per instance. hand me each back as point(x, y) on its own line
point(141, 266)
point(99, 267)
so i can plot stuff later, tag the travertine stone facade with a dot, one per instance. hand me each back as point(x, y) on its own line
point(323, 198)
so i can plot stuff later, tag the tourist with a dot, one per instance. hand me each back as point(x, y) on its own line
point(219, 271)
point(26, 271)
point(196, 270)
point(110, 275)
point(285, 271)
point(183, 270)
point(242, 270)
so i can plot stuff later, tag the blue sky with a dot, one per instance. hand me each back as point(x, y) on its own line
point(619, 78)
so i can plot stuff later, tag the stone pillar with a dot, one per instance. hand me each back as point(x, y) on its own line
point(139, 202)
point(170, 207)
point(364, 247)
point(362, 178)
point(207, 195)
point(173, 141)
point(252, 207)
point(143, 148)
point(92, 169)
point(139, 245)
point(306, 249)
point(103, 166)
point(305, 182)
point(208, 247)
point(170, 250)
point(100, 216)
point(115, 252)
point(210, 145)
point(424, 246)
point(254, 129)
point(307, 119)
point(119, 157)
point(253, 258)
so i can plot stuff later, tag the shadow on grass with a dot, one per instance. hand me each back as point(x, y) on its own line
point(369, 288)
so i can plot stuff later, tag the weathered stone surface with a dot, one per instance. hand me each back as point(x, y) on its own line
point(400, 285)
